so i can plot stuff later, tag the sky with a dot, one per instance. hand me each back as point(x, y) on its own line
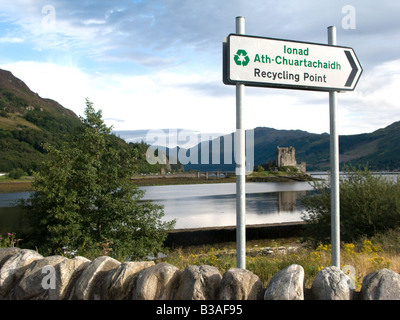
point(155, 64)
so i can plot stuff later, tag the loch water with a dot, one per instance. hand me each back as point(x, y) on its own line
point(198, 205)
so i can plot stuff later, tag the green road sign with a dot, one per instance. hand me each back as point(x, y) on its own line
point(268, 62)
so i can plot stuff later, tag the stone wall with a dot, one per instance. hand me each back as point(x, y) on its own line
point(286, 157)
point(25, 274)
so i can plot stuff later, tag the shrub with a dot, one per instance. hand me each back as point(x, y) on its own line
point(16, 173)
point(369, 203)
point(84, 201)
point(9, 241)
point(259, 169)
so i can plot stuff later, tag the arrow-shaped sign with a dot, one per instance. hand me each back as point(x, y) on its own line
point(354, 69)
point(269, 62)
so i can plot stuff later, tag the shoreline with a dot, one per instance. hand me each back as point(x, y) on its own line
point(211, 235)
point(15, 186)
point(173, 179)
point(193, 178)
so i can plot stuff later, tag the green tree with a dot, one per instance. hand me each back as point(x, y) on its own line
point(369, 204)
point(84, 200)
point(16, 173)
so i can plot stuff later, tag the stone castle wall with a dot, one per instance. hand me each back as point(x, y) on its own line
point(286, 157)
point(25, 275)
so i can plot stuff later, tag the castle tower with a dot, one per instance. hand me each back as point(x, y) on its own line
point(286, 157)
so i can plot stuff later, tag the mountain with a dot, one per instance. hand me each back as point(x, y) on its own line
point(26, 122)
point(379, 149)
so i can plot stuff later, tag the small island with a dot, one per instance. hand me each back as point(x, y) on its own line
point(284, 168)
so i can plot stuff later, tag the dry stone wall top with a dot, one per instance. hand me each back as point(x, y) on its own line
point(27, 275)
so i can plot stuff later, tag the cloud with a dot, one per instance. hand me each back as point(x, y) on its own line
point(157, 64)
point(11, 40)
point(115, 119)
point(150, 101)
point(169, 100)
point(375, 102)
point(162, 34)
point(67, 85)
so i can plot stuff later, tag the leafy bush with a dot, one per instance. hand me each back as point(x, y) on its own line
point(369, 203)
point(16, 173)
point(9, 241)
point(84, 201)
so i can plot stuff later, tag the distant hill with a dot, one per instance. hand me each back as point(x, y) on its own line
point(26, 122)
point(379, 149)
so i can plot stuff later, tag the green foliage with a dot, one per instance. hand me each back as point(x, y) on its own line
point(23, 147)
point(34, 121)
point(369, 203)
point(9, 241)
point(16, 173)
point(142, 165)
point(84, 200)
point(9, 100)
point(45, 120)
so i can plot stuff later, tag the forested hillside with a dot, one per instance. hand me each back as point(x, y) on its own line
point(379, 149)
point(27, 121)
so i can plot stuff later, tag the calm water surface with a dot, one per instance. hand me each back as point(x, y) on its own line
point(200, 205)
point(211, 205)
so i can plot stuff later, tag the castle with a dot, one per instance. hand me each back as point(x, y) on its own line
point(285, 157)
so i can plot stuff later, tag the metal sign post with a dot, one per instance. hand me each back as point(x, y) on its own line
point(240, 167)
point(334, 154)
point(277, 63)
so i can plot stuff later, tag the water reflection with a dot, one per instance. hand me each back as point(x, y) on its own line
point(201, 205)
point(12, 219)
point(213, 205)
point(287, 200)
point(11, 199)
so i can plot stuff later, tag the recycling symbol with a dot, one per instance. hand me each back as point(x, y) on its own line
point(241, 58)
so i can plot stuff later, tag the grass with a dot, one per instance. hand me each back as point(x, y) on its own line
point(266, 257)
point(14, 121)
point(278, 175)
point(24, 184)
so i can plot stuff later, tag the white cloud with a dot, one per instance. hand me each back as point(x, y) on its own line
point(169, 100)
point(67, 85)
point(158, 64)
point(375, 102)
point(143, 102)
point(11, 40)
